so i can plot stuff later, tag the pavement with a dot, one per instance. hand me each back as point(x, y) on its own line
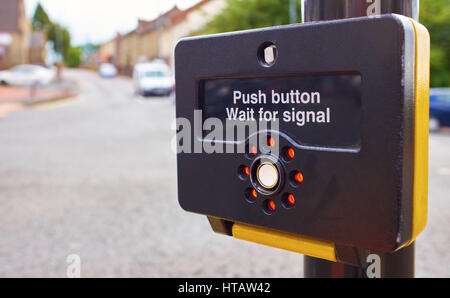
point(14, 98)
point(95, 176)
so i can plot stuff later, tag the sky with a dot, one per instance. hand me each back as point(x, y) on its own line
point(98, 20)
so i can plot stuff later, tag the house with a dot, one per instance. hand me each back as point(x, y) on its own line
point(15, 30)
point(152, 34)
point(127, 55)
point(107, 50)
point(38, 48)
point(143, 43)
point(157, 38)
point(186, 23)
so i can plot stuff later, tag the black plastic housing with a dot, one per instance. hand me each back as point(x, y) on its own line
point(359, 198)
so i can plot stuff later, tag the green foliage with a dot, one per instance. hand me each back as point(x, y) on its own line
point(58, 35)
point(40, 19)
point(250, 14)
point(435, 15)
point(72, 56)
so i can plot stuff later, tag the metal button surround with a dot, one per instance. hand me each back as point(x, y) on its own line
point(267, 175)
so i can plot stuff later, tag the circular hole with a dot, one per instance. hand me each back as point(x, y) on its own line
point(296, 178)
point(251, 195)
point(270, 141)
point(288, 154)
point(288, 201)
point(243, 172)
point(269, 207)
point(267, 54)
point(252, 151)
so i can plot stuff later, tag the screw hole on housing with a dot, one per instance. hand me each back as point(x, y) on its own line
point(267, 54)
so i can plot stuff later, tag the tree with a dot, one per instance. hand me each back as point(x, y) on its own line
point(40, 19)
point(435, 15)
point(72, 56)
point(250, 14)
point(58, 35)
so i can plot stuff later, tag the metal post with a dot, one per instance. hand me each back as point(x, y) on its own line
point(399, 263)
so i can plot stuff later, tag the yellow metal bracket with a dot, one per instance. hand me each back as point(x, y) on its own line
point(300, 244)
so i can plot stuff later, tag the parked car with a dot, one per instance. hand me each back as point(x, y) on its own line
point(439, 108)
point(153, 78)
point(27, 75)
point(107, 70)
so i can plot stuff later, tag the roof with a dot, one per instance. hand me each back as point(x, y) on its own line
point(172, 16)
point(183, 14)
point(9, 15)
point(161, 20)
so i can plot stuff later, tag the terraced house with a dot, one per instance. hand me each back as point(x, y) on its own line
point(156, 39)
point(15, 32)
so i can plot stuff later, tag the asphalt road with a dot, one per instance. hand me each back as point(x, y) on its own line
point(96, 177)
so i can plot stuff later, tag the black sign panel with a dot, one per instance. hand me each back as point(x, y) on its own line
point(322, 111)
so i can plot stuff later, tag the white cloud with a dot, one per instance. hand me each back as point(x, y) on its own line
point(99, 20)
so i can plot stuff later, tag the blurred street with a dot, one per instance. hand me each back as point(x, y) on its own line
point(95, 176)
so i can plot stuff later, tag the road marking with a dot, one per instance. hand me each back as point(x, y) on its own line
point(54, 103)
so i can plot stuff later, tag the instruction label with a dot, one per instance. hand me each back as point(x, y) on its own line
point(314, 111)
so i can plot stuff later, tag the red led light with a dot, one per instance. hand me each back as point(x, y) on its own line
point(271, 142)
point(246, 171)
point(253, 150)
point(253, 194)
point(271, 206)
point(290, 153)
point(298, 177)
point(290, 199)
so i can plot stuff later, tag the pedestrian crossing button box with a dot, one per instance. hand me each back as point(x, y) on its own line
point(351, 101)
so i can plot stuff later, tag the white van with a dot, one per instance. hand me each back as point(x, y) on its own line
point(153, 78)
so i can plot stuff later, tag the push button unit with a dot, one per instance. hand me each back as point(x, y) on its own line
point(267, 175)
